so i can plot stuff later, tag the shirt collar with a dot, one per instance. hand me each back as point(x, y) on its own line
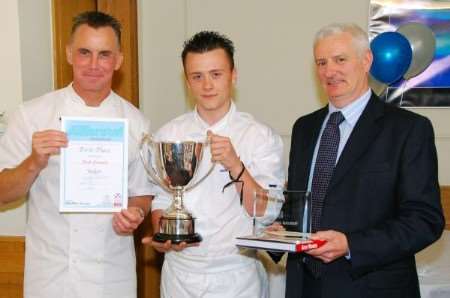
point(353, 111)
point(219, 125)
point(73, 95)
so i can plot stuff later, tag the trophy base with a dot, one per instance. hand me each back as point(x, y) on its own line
point(177, 239)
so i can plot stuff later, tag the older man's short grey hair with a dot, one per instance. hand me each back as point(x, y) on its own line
point(359, 36)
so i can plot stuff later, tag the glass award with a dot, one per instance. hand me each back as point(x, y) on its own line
point(292, 209)
point(290, 212)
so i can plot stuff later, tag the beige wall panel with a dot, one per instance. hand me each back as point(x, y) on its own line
point(12, 217)
point(273, 39)
point(161, 35)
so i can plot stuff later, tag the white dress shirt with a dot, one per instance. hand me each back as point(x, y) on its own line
point(351, 114)
point(72, 255)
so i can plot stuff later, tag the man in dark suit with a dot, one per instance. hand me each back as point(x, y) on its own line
point(380, 199)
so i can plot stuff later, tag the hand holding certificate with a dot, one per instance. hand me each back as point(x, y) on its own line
point(94, 166)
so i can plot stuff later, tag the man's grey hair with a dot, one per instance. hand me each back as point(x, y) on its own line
point(359, 36)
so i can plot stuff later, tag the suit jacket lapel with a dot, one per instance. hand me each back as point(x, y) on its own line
point(307, 142)
point(362, 136)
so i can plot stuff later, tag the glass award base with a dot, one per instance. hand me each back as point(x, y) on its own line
point(177, 239)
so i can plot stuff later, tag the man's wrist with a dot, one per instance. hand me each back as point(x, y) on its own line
point(140, 210)
point(32, 166)
point(237, 171)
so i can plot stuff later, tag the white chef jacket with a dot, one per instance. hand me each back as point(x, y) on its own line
point(220, 218)
point(73, 255)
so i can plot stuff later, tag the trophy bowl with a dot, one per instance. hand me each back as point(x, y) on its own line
point(173, 166)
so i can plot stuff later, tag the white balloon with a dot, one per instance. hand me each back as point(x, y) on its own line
point(423, 45)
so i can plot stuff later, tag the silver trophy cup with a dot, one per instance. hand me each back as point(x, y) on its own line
point(173, 166)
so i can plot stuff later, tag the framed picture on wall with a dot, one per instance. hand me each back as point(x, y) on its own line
point(431, 87)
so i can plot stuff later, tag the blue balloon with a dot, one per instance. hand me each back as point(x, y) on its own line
point(392, 55)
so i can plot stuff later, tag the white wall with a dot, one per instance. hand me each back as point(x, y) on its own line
point(25, 57)
point(440, 118)
point(10, 76)
point(12, 221)
point(273, 39)
point(36, 47)
point(161, 34)
point(274, 60)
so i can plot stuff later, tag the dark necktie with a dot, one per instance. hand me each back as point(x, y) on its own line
point(323, 171)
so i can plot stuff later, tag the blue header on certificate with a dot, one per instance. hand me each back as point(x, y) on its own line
point(86, 130)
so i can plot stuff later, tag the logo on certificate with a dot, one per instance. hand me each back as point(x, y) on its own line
point(117, 200)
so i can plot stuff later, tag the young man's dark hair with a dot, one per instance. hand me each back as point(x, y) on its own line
point(206, 41)
point(97, 19)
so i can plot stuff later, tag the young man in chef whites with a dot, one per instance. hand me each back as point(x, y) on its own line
point(243, 149)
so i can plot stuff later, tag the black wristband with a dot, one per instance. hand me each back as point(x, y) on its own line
point(236, 180)
point(239, 175)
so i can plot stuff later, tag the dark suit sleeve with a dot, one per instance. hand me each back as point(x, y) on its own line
point(418, 219)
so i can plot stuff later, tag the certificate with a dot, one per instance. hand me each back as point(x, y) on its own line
point(94, 166)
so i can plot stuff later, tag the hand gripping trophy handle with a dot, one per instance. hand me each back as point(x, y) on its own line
point(173, 166)
point(211, 168)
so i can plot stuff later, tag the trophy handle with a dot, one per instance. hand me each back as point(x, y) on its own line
point(148, 140)
point(205, 144)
